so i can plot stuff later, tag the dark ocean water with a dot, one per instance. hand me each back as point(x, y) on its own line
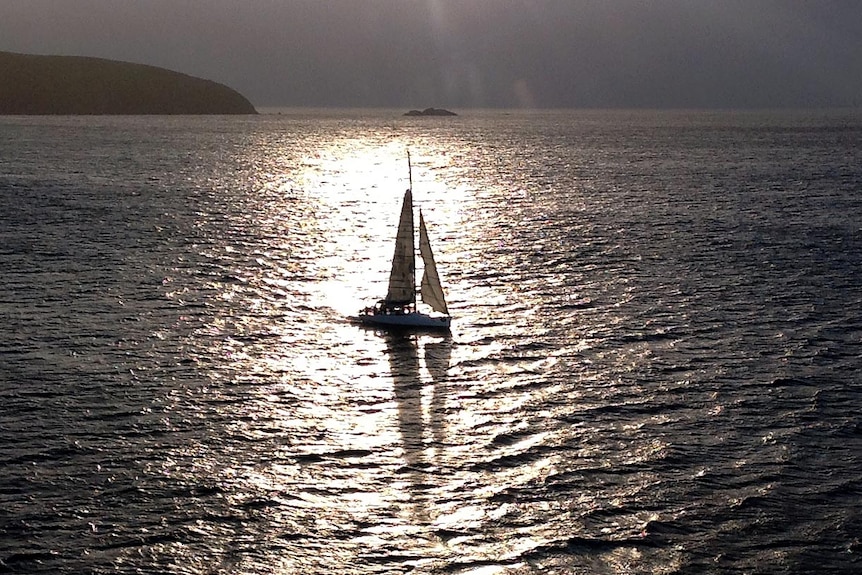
point(654, 365)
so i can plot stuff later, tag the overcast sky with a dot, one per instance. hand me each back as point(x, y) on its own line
point(473, 53)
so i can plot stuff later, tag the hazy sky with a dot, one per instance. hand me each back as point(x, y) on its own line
point(465, 53)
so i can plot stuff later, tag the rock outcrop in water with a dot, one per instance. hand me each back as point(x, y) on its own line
point(31, 84)
point(430, 112)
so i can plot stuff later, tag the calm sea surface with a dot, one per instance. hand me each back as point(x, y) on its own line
point(654, 367)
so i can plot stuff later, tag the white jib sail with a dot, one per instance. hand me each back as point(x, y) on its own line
point(432, 291)
point(402, 288)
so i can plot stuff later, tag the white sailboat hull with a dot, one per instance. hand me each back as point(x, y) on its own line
point(411, 320)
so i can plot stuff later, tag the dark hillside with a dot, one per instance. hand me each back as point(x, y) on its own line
point(31, 84)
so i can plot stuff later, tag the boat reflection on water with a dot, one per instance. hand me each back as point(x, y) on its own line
point(421, 404)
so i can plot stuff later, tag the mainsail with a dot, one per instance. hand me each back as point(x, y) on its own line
point(402, 288)
point(432, 291)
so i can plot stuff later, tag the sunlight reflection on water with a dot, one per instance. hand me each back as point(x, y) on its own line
point(380, 427)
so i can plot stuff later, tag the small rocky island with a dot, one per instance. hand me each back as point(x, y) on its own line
point(74, 85)
point(430, 112)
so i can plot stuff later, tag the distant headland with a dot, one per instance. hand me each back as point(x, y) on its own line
point(430, 112)
point(75, 85)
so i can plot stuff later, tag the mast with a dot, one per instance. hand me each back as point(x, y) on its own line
point(409, 170)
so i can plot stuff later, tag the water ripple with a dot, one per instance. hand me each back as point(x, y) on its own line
point(653, 367)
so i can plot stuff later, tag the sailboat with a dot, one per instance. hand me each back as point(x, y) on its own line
point(398, 309)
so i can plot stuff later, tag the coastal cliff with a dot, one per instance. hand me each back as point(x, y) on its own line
point(74, 85)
